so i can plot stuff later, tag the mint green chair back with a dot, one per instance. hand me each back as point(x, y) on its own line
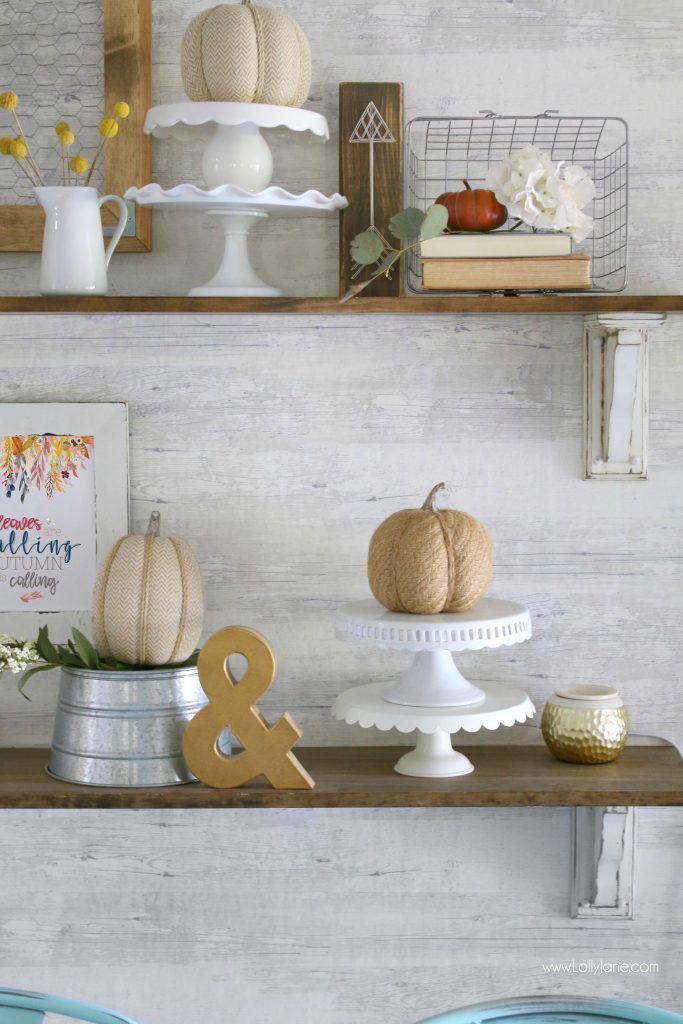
point(556, 1010)
point(17, 1007)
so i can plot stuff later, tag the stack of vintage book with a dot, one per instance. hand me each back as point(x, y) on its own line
point(503, 260)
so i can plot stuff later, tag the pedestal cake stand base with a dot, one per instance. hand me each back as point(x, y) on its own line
point(237, 211)
point(236, 276)
point(433, 756)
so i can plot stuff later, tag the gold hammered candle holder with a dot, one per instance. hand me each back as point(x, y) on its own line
point(585, 724)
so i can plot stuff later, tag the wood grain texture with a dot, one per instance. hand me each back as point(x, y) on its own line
point(21, 228)
point(311, 430)
point(353, 916)
point(127, 75)
point(318, 429)
point(618, 60)
point(504, 776)
point(354, 176)
point(503, 305)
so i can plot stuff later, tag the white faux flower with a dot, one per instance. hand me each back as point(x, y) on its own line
point(16, 655)
point(545, 195)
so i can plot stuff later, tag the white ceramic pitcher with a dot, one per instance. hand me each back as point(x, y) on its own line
point(74, 260)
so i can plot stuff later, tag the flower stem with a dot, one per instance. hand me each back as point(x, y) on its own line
point(30, 160)
point(25, 168)
point(98, 154)
point(95, 159)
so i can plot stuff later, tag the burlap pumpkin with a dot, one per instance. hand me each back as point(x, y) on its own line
point(246, 54)
point(428, 560)
point(148, 604)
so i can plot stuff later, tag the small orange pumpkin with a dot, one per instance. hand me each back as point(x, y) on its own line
point(473, 209)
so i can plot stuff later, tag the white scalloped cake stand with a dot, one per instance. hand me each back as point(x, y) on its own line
point(433, 756)
point(433, 697)
point(235, 152)
point(237, 212)
point(237, 166)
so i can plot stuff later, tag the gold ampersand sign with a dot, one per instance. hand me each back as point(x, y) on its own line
point(267, 749)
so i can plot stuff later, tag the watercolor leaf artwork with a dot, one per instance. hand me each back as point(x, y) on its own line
point(47, 462)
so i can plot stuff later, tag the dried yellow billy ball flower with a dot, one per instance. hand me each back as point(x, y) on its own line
point(78, 164)
point(66, 139)
point(8, 100)
point(5, 146)
point(61, 127)
point(109, 128)
point(18, 149)
point(121, 109)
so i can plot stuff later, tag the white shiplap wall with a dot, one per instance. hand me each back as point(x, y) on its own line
point(621, 58)
point(276, 445)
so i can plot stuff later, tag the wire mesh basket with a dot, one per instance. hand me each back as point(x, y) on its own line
point(441, 152)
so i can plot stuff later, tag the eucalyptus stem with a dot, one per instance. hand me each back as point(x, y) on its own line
point(382, 271)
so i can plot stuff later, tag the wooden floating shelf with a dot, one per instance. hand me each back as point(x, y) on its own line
point(419, 305)
point(504, 776)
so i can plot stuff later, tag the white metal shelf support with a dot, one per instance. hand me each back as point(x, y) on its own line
point(616, 394)
point(603, 862)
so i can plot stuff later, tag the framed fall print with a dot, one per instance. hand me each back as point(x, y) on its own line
point(73, 60)
point(63, 503)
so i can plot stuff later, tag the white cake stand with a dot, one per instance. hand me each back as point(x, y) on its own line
point(433, 697)
point(237, 211)
point(237, 166)
point(235, 152)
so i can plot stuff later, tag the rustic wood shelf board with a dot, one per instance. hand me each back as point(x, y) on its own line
point(505, 776)
point(418, 306)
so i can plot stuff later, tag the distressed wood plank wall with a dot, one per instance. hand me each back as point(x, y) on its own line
point(514, 56)
point(276, 445)
point(363, 917)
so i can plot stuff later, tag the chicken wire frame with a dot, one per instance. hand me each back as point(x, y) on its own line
point(442, 151)
point(127, 49)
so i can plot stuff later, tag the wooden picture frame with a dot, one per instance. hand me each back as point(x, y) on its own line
point(127, 75)
point(105, 426)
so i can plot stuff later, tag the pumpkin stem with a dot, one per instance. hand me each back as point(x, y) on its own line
point(428, 505)
point(467, 185)
point(154, 524)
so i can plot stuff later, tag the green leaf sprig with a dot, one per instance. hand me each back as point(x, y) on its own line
point(78, 653)
point(411, 225)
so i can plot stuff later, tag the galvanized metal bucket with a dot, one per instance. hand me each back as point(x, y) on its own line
point(124, 728)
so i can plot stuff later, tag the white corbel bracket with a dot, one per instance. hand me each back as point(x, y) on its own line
point(616, 394)
point(603, 855)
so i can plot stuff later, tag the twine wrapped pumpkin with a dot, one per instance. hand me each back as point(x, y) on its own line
point(428, 560)
point(148, 603)
point(245, 53)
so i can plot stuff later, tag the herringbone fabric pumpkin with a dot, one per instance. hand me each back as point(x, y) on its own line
point(242, 53)
point(147, 603)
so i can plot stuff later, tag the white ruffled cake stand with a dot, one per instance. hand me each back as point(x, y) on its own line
point(237, 166)
point(433, 697)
